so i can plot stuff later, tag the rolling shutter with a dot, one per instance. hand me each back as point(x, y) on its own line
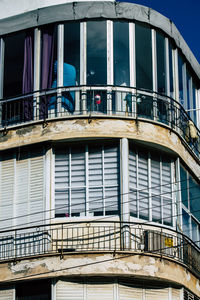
point(130, 293)
point(69, 291)
point(156, 189)
point(157, 294)
point(176, 294)
point(100, 291)
point(111, 179)
point(61, 183)
point(95, 180)
point(22, 190)
point(78, 181)
point(143, 185)
point(36, 194)
point(7, 191)
point(7, 294)
point(133, 183)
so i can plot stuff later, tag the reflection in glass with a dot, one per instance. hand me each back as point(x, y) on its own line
point(180, 78)
point(171, 71)
point(194, 102)
point(143, 57)
point(186, 224)
point(189, 102)
point(96, 53)
point(145, 106)
point(184, 190)
point(161, 65)
point(121, 53)
point(194, 195)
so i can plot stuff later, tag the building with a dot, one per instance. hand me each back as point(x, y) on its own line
point(99, 153)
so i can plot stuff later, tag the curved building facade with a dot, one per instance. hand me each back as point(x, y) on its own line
point(99, 154)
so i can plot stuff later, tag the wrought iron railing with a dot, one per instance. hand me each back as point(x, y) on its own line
point(94, 236)
point(101, 101)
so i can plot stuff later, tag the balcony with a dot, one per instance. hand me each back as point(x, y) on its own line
point(99, 101)
point(99, 236)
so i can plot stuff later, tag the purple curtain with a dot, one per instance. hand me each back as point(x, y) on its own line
point(47, 67)
point(27, 84)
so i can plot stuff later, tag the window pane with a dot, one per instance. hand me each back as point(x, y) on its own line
point(180, 78)
point(161, 65)
point(194, 193)
point(194, 102)
point(71, 52)
point(143, 57)
point(171, 71)
point(121, 53)
point(186, 225)
point(96, 53)
point(184, 190)
point(13, 64)
point(194, 231)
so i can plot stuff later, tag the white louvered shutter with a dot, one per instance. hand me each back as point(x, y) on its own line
point(133, 183)
point(95, 180)
point(22, 190)
point(100, 291)
point(156, 189)
point(36, 194)
point(7, 191)
point(157, 294)
point(7, 294)
point(143, 185)
point(78, 181)
point(166, 191)
point(62, 183)
point(176, 294)
point(130, 293)
point(111, 179)
point(69, 291)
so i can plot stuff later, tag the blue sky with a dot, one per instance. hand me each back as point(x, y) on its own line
point(186, 16)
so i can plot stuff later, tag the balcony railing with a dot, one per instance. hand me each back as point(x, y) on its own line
point(101, 101)
point(95, 236)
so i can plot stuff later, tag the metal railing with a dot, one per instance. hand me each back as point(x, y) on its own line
point(97, 236)
point(100, 100)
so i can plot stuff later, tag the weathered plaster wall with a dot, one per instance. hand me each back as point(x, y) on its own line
point(82, 128)
point(102, 265)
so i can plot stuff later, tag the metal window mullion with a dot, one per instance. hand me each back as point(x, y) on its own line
point(137, 186)
point(172, 179)
point(132, 64)
point(14, 215)
point(83, 65)
point(70, 183)
point(47, 185)
point(2, 50)
point(154, 72)
point(191, 99)
point(179, 203)
point(161, 191)
point(103, 177)
point(110, 63)
point(170, 294)
point(37, 70)
point(60, 54)
point(87, 180)
point(125, 180)
point(175, 73)
point(149, 187)
point(52, 184)
point(29, 184)
point(198, 107)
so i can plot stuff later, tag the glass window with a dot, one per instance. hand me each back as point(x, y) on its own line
point(184, 190)
point(121, 53)
point(194, 88)
point(194, 196)
point(171, 70)
point(91, 170)
point(180, 78)
point(194, 231)
point(161, 63)
point(96, 53)
point(143, 45)
point(150, 169)
point(186, 223)
point(71, 53)
point(189, 104)
point(13, 64)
